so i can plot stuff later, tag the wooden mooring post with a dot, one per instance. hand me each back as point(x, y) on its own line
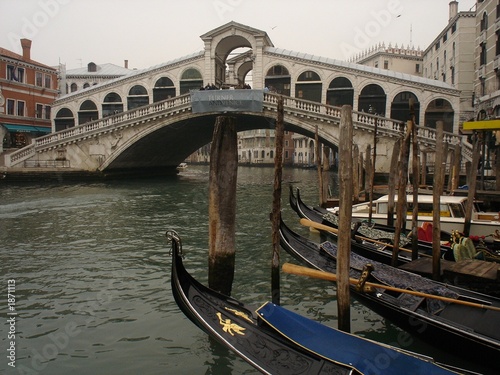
point(439, 171)
point(222, 205)
point(276, 210)
point(472, 183)
point(345, 216)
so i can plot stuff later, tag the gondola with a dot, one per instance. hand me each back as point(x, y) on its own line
point(469, 329)
point(277, 341)
point(377, 232)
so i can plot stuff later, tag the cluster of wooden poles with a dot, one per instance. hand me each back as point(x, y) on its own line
point(222, 201)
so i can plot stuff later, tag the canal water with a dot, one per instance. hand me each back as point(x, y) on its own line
point(88, 270)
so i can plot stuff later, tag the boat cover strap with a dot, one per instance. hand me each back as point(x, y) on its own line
point(366, 356)
point(395, 277)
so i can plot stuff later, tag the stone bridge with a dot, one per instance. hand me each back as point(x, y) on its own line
point(161, 135)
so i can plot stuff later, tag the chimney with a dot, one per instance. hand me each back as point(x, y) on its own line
point(26, 45)
point(126, 64)
point(453, 9)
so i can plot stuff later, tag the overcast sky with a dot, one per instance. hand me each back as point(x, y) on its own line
point(150, 32)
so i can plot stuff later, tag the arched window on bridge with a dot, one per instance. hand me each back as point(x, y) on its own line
point(74, 87)
point(440, 110)
point(164, 89)
point(112, 104)
point(309, 86)
point(372, 99)
point(191, 79)
point(340, 92)
point(88, 112)
point(137, 97)
point(64, 119)
point(278, 80)
point(400, 107)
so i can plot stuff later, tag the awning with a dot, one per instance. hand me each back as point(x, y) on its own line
point(26, 128)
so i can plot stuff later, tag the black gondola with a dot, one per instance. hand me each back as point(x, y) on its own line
point(470, 330)
point(277, 341)
point(378, 232)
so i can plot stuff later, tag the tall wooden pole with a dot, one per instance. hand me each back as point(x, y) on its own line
point(416, 177)
point(401, 206)
point(392, 182)
point(456, 168)
point(472, 184)
point(276, 211)
point(345, 216)
point(326, 169)
point(355, 175)
point(439, 171)
point(372, 182)
point(222, 205)
point(322, 200)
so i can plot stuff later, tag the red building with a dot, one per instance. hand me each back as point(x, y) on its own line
point(27, 91)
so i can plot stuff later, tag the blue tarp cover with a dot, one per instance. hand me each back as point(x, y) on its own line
point(368, 357)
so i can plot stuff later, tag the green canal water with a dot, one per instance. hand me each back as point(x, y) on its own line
point(89, 269)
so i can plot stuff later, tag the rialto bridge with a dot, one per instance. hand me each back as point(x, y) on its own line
point(145, 120)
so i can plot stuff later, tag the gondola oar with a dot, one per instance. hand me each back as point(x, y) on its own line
point(315, 225)
point(305, 271)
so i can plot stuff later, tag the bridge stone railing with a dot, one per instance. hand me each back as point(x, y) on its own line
point(305, 108)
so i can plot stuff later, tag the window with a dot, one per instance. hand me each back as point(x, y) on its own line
point(417, 68)
point(21, 106)
point(15, 73)
point(453, 28)
point(445, 37)
point(39, 111)
point(38, 79)
point(48, 81)
point(10, 106)
point(386, 64)
point(482, 56)
point(47, 112)
point(484, 22)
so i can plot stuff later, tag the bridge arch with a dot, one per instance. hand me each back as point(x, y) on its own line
point(64, 119)
point(191, 79)
point(88, 112)
point(309, 86)
point(439, 109)
point(278, 78)
point(340, 92)
point(164, 88)
point(138, 96)
point(400, 108)
point(372, 99)
point(112, 104)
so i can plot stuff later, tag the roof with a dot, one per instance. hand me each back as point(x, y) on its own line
point(360, 67)
point(15, 56)
point(102, 70)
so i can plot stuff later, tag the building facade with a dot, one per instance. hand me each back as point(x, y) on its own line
point(27, 91)
point(450, 58)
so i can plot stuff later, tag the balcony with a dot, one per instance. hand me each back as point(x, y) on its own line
point(496, 63)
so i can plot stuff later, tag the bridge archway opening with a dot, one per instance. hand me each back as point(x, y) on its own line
point(164, 88)
point(112, 104)
point(87, 112)
point(309, 86)
point(239, 66)
point(226, 48)
point(440, 110)
point(400, 107)
point(137, 97)
point(372, 99)
point(278, 80)
point(340, 92)
point(64, 119)
point(191, 79)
